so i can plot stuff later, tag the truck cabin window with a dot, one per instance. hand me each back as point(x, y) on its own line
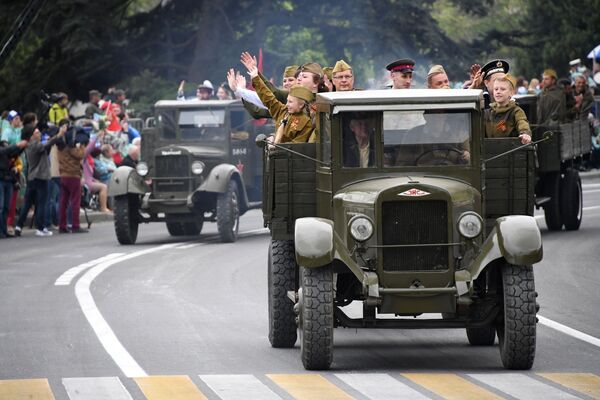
point(167, 124)
point(203, 125)
point(426, 138)
point(358, 139)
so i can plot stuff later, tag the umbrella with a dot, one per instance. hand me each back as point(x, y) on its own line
point(594, 53)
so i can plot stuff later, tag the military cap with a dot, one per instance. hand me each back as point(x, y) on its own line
point(302, 92)
point(328, 72)
point(401, 65)
point(312, 67)
point(436, 69)
point(493, 67)
point(340, 66)
point(290, 71)
point(512, 80)
point(550, 72)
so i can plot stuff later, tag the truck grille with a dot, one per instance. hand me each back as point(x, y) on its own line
point(171, 185)
point(172, 166)
point(415, 222)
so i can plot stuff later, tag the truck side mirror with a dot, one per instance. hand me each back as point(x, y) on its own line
point(261, 140)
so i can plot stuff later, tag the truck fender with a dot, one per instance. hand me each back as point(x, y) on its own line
point(126, 180)
point(217, 181)
point(313, 240)
point(516, 238)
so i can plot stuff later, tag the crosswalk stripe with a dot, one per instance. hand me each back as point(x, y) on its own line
point(103, 388)
point(380, 387)
point(235, 387)
point(174, 387)
point(522, 386)
point(309, 387)
point(30, 389)
point(588, 384)
point(451, 386)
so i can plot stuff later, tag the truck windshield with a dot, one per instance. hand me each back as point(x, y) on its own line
point(426, 137)
point(202, 125)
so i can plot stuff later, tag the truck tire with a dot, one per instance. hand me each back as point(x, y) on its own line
point(517, 330)
point(192, 228)
point(317, 318)
point(228, 213)
point(552, 208)
point(484, 336)
point(281, 279)
point(571, 200)
point(175, 228)
point(126, 218)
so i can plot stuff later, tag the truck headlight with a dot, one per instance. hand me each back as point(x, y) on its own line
point(142, 168)
point(197, 167)
point(470, 224)
point(361, 228)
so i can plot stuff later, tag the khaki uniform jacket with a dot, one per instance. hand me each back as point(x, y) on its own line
point(552, 106)
point(297, 127)
point(506, 121)
point(69, 161)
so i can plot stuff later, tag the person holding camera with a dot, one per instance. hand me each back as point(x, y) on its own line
point(71, 153)
point(37, 177)
point(7, 154)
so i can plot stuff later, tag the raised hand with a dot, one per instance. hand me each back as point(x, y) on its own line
point(231, 79)
point(241, 80)
point(248, 60)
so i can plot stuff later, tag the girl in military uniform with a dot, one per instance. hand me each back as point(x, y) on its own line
point(505, 118)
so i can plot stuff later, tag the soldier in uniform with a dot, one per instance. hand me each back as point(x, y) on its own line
point(488, 74)
point(437, 78)
point(343, 77)
point(552, 105)
point(401, 72)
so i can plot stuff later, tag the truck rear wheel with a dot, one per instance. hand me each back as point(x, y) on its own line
point(175, 228)
point(484, 336)
point(317, 317)
point(281, 279)
point(126, 218)
point(193, 228)
point(570, 200)
point(228, 213)
point(517, 330)
point(552, 208)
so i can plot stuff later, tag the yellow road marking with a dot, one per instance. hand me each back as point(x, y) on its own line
point(30, 389)
point(588, 384)
point(451, 386)
point(176, 387)
point(309, 386)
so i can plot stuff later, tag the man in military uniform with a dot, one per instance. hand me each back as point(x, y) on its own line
point(488, 74)
point(401, 72)
point(343, 77)
point(552, 106)
point(437, 78)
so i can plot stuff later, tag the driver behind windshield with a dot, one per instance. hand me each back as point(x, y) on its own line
point(359, 143)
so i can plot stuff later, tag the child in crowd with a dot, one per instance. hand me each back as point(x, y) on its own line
point(506, 118)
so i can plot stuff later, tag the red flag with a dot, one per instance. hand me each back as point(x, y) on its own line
point(260, 60)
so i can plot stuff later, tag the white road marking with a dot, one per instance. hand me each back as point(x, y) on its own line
point(66, 278)
point(569, 331)
point(107, 337)
point(104, 388)
point(522, 387)
point(188, 246)
point(380, 387)
point(234, 387)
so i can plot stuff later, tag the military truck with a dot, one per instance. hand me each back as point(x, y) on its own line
point(198, 163)
point(404, 210)
point(558, 188)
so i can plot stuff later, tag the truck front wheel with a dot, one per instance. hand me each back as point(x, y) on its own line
point(228, 213)
point(317, 317)
point(126, 218)
point(282, 278)
point(517, 330)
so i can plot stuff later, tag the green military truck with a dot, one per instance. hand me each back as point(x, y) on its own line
point(558, 187)
point(198, 163)
point(405, 209)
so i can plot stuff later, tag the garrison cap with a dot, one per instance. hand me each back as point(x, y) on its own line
point(328, 71)
point(493, 67)
point(512, 80)
point(436, 69)
point(290, 71)
point(302, 92)
point(550, 72)
point(340, 66)
point(401, 65)
point(312, 67)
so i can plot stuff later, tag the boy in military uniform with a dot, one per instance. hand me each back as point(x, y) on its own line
point(505, 118)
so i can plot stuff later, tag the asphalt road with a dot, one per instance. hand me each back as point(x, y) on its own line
point(190, 314)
